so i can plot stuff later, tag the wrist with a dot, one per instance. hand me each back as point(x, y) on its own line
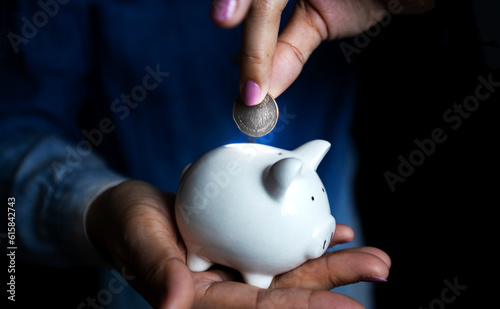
point(95, 219)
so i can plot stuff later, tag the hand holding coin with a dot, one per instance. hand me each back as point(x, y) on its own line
point(257, 120)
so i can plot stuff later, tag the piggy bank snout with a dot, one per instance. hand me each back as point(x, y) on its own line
point(322, 237)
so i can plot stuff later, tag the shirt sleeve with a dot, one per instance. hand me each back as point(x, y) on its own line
point(47, 164)
point(53, 187)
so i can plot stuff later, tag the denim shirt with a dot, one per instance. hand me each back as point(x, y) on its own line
point(96, 92)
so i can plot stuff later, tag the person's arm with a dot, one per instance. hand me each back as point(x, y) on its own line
point(52, 196)
point(46, 162)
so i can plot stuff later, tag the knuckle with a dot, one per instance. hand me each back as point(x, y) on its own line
point(296, 52)
point(314, 19)
point(262, 7)
point(255, 57)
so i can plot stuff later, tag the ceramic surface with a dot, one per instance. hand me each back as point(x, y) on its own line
point(255, 208)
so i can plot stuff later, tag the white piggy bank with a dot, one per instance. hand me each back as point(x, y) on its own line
point(255, 208)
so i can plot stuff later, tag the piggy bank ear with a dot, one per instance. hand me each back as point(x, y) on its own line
point(311, 153)
point(280, 176)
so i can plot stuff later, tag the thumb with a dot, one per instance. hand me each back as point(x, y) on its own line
point(179, 286)
point(138, 225)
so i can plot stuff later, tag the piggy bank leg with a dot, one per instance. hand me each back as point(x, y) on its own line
point(258, 280)
point(197, 263)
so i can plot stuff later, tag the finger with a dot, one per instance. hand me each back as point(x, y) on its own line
point(150, 245)
point(343, 234)
point(375, 251)
point(165, 276)
point(229, 13)
point(179, 286)
point(303, 33)
point(239, 295)
point(217, 273)
point(309, 26)
point(259, 37)
point(335, 269)
point(167, 280)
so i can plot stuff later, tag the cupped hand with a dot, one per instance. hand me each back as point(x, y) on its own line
point(270, 63)
point(133, 227)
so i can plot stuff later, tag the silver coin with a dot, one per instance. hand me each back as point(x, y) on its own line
point(257, 120)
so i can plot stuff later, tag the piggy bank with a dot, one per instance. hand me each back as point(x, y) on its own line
point(255, 208)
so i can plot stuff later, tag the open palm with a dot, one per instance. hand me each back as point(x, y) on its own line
point(133, 226)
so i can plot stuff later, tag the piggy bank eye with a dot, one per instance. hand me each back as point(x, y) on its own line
point(312, 198)
point(323, 189)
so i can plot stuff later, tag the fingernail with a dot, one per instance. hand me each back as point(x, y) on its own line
point(373, 279)
point(250, 93)
point(222, 10)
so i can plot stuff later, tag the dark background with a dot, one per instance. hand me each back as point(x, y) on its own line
point(438, 224)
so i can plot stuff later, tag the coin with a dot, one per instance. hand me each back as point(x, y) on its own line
point(257, 120)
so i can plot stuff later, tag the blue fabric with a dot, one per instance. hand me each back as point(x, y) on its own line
point(99, 91)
